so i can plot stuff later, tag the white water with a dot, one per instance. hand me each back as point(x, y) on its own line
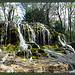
point(23, 44)
point(64, 44)
point(43, 31)
point(22, 41)
point(73, 71)
point(33, 36)
point(0, 50)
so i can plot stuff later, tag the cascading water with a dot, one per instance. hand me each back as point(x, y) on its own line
point(23, 44)
point(64, 44)
point(22, 41)
point(43, 32)
point(32, 33)
point(0, 50)
point(33, 36)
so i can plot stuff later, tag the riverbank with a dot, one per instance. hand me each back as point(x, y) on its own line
point(17, 64)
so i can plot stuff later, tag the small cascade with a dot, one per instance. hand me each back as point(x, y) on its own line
point(0, 50)
point(43, 32)
point(29, 53)
point(23, 44)
point(22, 41)
point(32, 33)
point(64, 44)
point(71, 48)
point(33, 36)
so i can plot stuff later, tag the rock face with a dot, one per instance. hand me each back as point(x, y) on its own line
point(36, 48)
point(35, 35)
point(8, 33)
point(33, 32)
point(42, 65)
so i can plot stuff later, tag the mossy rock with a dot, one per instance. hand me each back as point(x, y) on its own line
point(14, 30)
point(60, 50)
point(42, 52)
point(23, 53)
point(45, 47)
point(50, 47)
point(34, 45)
point(26, 35)
point(10, 47)
point(29, 47)
point(34, 57)
point(35, 52)
point(52, 56)
point(3, 48)
point(13, 37)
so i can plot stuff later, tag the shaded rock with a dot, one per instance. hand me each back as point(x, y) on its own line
point(73, 44)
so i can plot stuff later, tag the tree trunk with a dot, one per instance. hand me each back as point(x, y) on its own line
point(70, 26)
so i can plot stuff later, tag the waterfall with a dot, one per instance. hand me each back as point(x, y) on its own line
point(43, 31)
point(33, 36)
point(22, 41)
point(64, 44)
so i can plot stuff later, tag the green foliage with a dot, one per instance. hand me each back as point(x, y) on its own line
point(35, 15)
point(10, 47)
point(52, 56)
point(58, 27)
point(34, 45)
point(3, 48)
point(50, 47)
point(60, 50)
